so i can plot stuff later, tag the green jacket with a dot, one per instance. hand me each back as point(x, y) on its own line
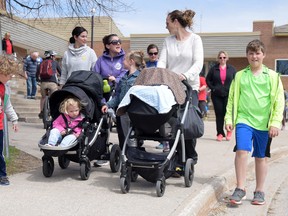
point(276, 96)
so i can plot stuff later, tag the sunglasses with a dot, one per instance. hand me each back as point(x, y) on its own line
point(222, 57)
point(115, 42)
point(155, 53)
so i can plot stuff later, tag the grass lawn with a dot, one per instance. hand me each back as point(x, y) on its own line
point(11, 167)
point(20, 161)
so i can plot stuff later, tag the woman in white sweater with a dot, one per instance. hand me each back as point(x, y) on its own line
point(79, 56)
point(182, 53)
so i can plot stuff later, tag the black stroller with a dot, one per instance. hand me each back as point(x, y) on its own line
point(148, 124)
point(93, 142)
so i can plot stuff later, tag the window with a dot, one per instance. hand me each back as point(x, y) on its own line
point(281, 66)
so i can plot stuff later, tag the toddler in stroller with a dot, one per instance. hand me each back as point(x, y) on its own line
point(153, 102)
point(67, 126)
point(92, 131)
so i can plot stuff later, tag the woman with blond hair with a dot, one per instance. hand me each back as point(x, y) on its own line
point(219, 79)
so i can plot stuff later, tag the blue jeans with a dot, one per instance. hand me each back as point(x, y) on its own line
point(2, 160)
point(55, 137)
point(31, 86)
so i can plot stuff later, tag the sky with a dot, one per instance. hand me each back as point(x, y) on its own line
point(148, 16)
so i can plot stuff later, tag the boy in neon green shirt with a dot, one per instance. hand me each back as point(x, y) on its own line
point(255, 108)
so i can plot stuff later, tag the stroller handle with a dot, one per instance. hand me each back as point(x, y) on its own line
point(189, 89)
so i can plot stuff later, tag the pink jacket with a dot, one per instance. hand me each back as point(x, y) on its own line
point(59, 123)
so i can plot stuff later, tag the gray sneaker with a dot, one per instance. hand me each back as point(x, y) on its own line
point(4, 180)
point(258, 198)
point(238, 196)
point(100, 163)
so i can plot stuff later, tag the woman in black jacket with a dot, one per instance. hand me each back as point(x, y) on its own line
point(219, 79)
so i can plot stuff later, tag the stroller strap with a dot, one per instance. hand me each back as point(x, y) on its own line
point(70, 130)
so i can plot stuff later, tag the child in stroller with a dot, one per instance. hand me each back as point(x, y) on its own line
point(155, 100)
point(93, 140)
point(67, 126)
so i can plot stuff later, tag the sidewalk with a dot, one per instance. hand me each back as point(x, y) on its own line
point(66, 194)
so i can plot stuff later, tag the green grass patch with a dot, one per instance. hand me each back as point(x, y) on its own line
point(11, 166)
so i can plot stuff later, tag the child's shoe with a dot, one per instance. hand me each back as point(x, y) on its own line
point(4, 180)
point(237, 196)
point(166, 147)
point(258, 198)
point(160, 146)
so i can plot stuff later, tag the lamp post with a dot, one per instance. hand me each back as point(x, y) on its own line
point(93, 10)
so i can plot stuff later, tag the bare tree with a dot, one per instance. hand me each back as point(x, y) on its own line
point(63, 8)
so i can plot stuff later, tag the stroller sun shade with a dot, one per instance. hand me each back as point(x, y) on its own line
point(58, 96)
point(87, 86)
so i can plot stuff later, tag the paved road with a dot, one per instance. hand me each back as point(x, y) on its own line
point(64, 193)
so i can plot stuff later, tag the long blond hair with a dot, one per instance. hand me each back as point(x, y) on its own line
point(70, 101)
point(138, 58)
point(8, 65)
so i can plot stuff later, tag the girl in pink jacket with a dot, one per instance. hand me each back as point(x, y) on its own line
point(69, 109)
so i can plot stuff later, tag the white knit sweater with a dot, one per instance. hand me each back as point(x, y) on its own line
point(184, 57)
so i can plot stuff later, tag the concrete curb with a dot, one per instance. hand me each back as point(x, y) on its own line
point(213, 191)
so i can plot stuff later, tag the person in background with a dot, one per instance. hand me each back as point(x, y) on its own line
point(219, 79)
point(78, 56)
point(48, 83)
point(134, 63)
point(31, 64)
point(152, 51)
point(7, 44)
point(183, 54)
point(202, 95)
point(255, 110)
point(8, 67)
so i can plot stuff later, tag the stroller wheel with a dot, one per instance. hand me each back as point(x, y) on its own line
point(63, 162)
point(125, 185)
point(48, 166)
point(115, 160)
point(85, 170)
point(160, 187)
point(189, 172)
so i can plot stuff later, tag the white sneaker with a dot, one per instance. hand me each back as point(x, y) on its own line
point(99, 163)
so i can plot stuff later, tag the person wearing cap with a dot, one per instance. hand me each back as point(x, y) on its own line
point(48, 83)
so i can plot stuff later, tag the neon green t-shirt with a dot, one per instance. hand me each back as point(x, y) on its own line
point(254, 101)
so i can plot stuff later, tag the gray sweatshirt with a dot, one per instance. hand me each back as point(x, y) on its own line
point(74, 59)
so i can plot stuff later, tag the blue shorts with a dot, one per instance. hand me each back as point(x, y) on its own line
point(247, 136)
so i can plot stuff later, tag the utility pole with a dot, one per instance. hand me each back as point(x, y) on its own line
point(93, 10)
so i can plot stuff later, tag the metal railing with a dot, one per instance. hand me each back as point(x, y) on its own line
point(6, 137)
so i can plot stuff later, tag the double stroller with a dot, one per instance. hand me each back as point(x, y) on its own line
point(93, 141)
point(157, 105)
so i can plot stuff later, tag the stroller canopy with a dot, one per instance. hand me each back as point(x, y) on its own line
point(87, 86)
point(162, 76)
point(149, 87)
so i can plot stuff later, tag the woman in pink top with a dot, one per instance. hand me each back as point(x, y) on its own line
point(70, 109)
point(219, 79)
